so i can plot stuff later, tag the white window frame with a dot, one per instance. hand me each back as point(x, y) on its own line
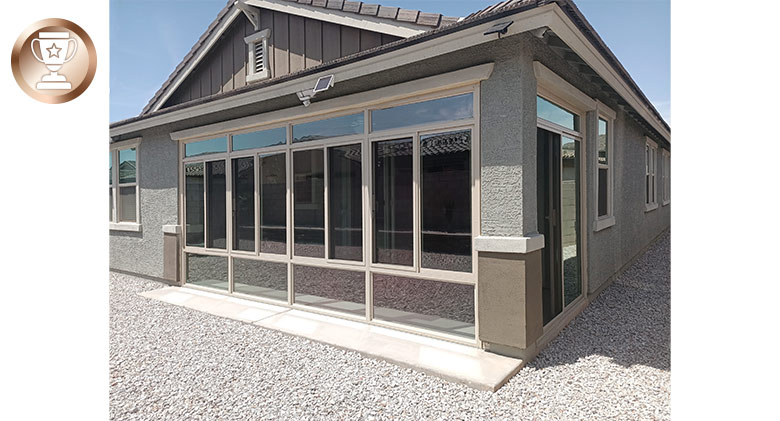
point(666, 172)
point(114, 223)
point(651, 170)
point(607, 114)
point(251, 42)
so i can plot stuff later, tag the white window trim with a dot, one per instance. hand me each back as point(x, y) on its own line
point(651, 170)
point(607, 114)
point(666, 158)
point(251, 42)
point(115, 224)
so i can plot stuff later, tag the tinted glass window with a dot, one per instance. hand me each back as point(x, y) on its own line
point(261, 139)
point(570, 221)
point(602, 191)
point(207, 271)
point(127, 204)
point(127, 166)
point(261, 279)
point(446, 201)
point(555, 114)
point(273, 199)
point(603, 142)
point(443, 109)
point(332, 127)
point(345, 183)
point(244, 204)
point(206, 147)
point(309, 179)
point(193, 174)
point(393, 237)
point(216, 234)
point(332, 289)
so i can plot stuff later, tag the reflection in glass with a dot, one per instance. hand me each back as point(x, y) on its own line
point(193, 175)
point(127, 166)
point(345, 201)
point(603, 139)
point(111, 168)
point(309, 192)
point(440, 306)
point(127, 204)
point(244, 204)
point(206, 147)
point(446, 201)
point(261, 279)
point(602, 191)
point(393, 238)
point(207, 271)
point(331, 127)
point(442, 109)
point(273, 199)
point(570, 221)
point(555, 114)
point(216, 234)
point(110, 203)
point(261, 139)
point(332, 289)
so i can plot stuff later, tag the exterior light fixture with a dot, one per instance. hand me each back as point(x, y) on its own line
point(323, 84)
point(499, 28)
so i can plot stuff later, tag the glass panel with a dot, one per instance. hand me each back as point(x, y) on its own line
point(127, 204)
point(309, 203)
point(193, 175)
point(442, 109)
point(273, 204)
point(440, 306)
point(216, 219)
point(127, 166)
point(110, 203)
point(345, 200)
point(261, 279)
point(332, 289)
point(244, 204)
point(393, 238)
point(332, 127)
point(206, 147)
point(603, 159)
point(111, 168)
point(603, 173)
point(555, 114)
point(446, 201)
point(570, 219)
point(207, 271)
point(261, 139)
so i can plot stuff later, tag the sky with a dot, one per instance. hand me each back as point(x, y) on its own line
point(150, 37)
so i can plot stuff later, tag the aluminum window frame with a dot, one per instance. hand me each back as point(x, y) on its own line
point(365, 140)
point(651, 170)
point(609, 116)
point(115, 223)
point(666, 173)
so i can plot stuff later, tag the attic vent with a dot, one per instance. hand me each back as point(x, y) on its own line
point(257, 44)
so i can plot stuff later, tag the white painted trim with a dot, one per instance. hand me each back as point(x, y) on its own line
point(607, 111)
point(249, 39)
point(563, 93)
point(458, 78)
point(603, 223)
point(369, 23)
point(523, 245)
point(171, 229)
point(125, 144)
point(649, 207)
point(204, 49)
point(124, 226)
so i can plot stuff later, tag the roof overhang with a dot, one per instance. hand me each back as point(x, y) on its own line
point(424, 46)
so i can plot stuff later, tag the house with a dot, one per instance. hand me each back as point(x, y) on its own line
point(478, 180)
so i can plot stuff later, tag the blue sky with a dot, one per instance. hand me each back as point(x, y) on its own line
point(150, 37)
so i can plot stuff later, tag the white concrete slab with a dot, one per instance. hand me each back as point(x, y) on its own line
point(454, 362)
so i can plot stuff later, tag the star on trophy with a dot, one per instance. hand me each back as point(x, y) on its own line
point(53, 47)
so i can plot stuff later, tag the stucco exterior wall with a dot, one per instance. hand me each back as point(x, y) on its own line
point(142, 252)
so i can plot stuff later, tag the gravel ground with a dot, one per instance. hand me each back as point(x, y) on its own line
point(172, 363)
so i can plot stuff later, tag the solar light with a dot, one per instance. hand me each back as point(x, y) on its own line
point(499, 28)
point(323, 84)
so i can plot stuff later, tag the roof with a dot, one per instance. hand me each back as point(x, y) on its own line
point(427, 20)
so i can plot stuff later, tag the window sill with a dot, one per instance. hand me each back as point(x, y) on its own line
point(649, 207)
point(603, 223)
point(666, 202)
point(254, 77)
point(124, 226)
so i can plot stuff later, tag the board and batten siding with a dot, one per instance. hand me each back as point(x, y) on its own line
point(296, 43)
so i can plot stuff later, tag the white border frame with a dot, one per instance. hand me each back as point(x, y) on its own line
point(251, 42)
point(114, 223)
point(609, 116)
point(666, 175)
point(651, 170)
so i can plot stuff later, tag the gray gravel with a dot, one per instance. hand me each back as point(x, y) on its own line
point(172, 363)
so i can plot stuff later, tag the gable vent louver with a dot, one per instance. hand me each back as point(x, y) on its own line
point(259, 57)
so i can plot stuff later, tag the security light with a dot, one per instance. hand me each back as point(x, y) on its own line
point(323, 84)
point(499, 28)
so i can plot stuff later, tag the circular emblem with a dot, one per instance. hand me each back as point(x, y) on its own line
point(54, 61)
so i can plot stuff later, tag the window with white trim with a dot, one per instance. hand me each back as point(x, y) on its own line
point(123, 185)
point(604, 165)
point(665, 174)
point(257, 61)
point(651, 162)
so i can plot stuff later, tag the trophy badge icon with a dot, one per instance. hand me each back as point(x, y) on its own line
point(54, 48)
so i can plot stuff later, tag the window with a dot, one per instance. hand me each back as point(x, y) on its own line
point(309, 193)
point(345, 196)
point(555, 114)
point(257, 61)
point(442, 109)
point(123, 188)
point(666, 173)
point(330, 127)
point(651, 162)
point(605, 159)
